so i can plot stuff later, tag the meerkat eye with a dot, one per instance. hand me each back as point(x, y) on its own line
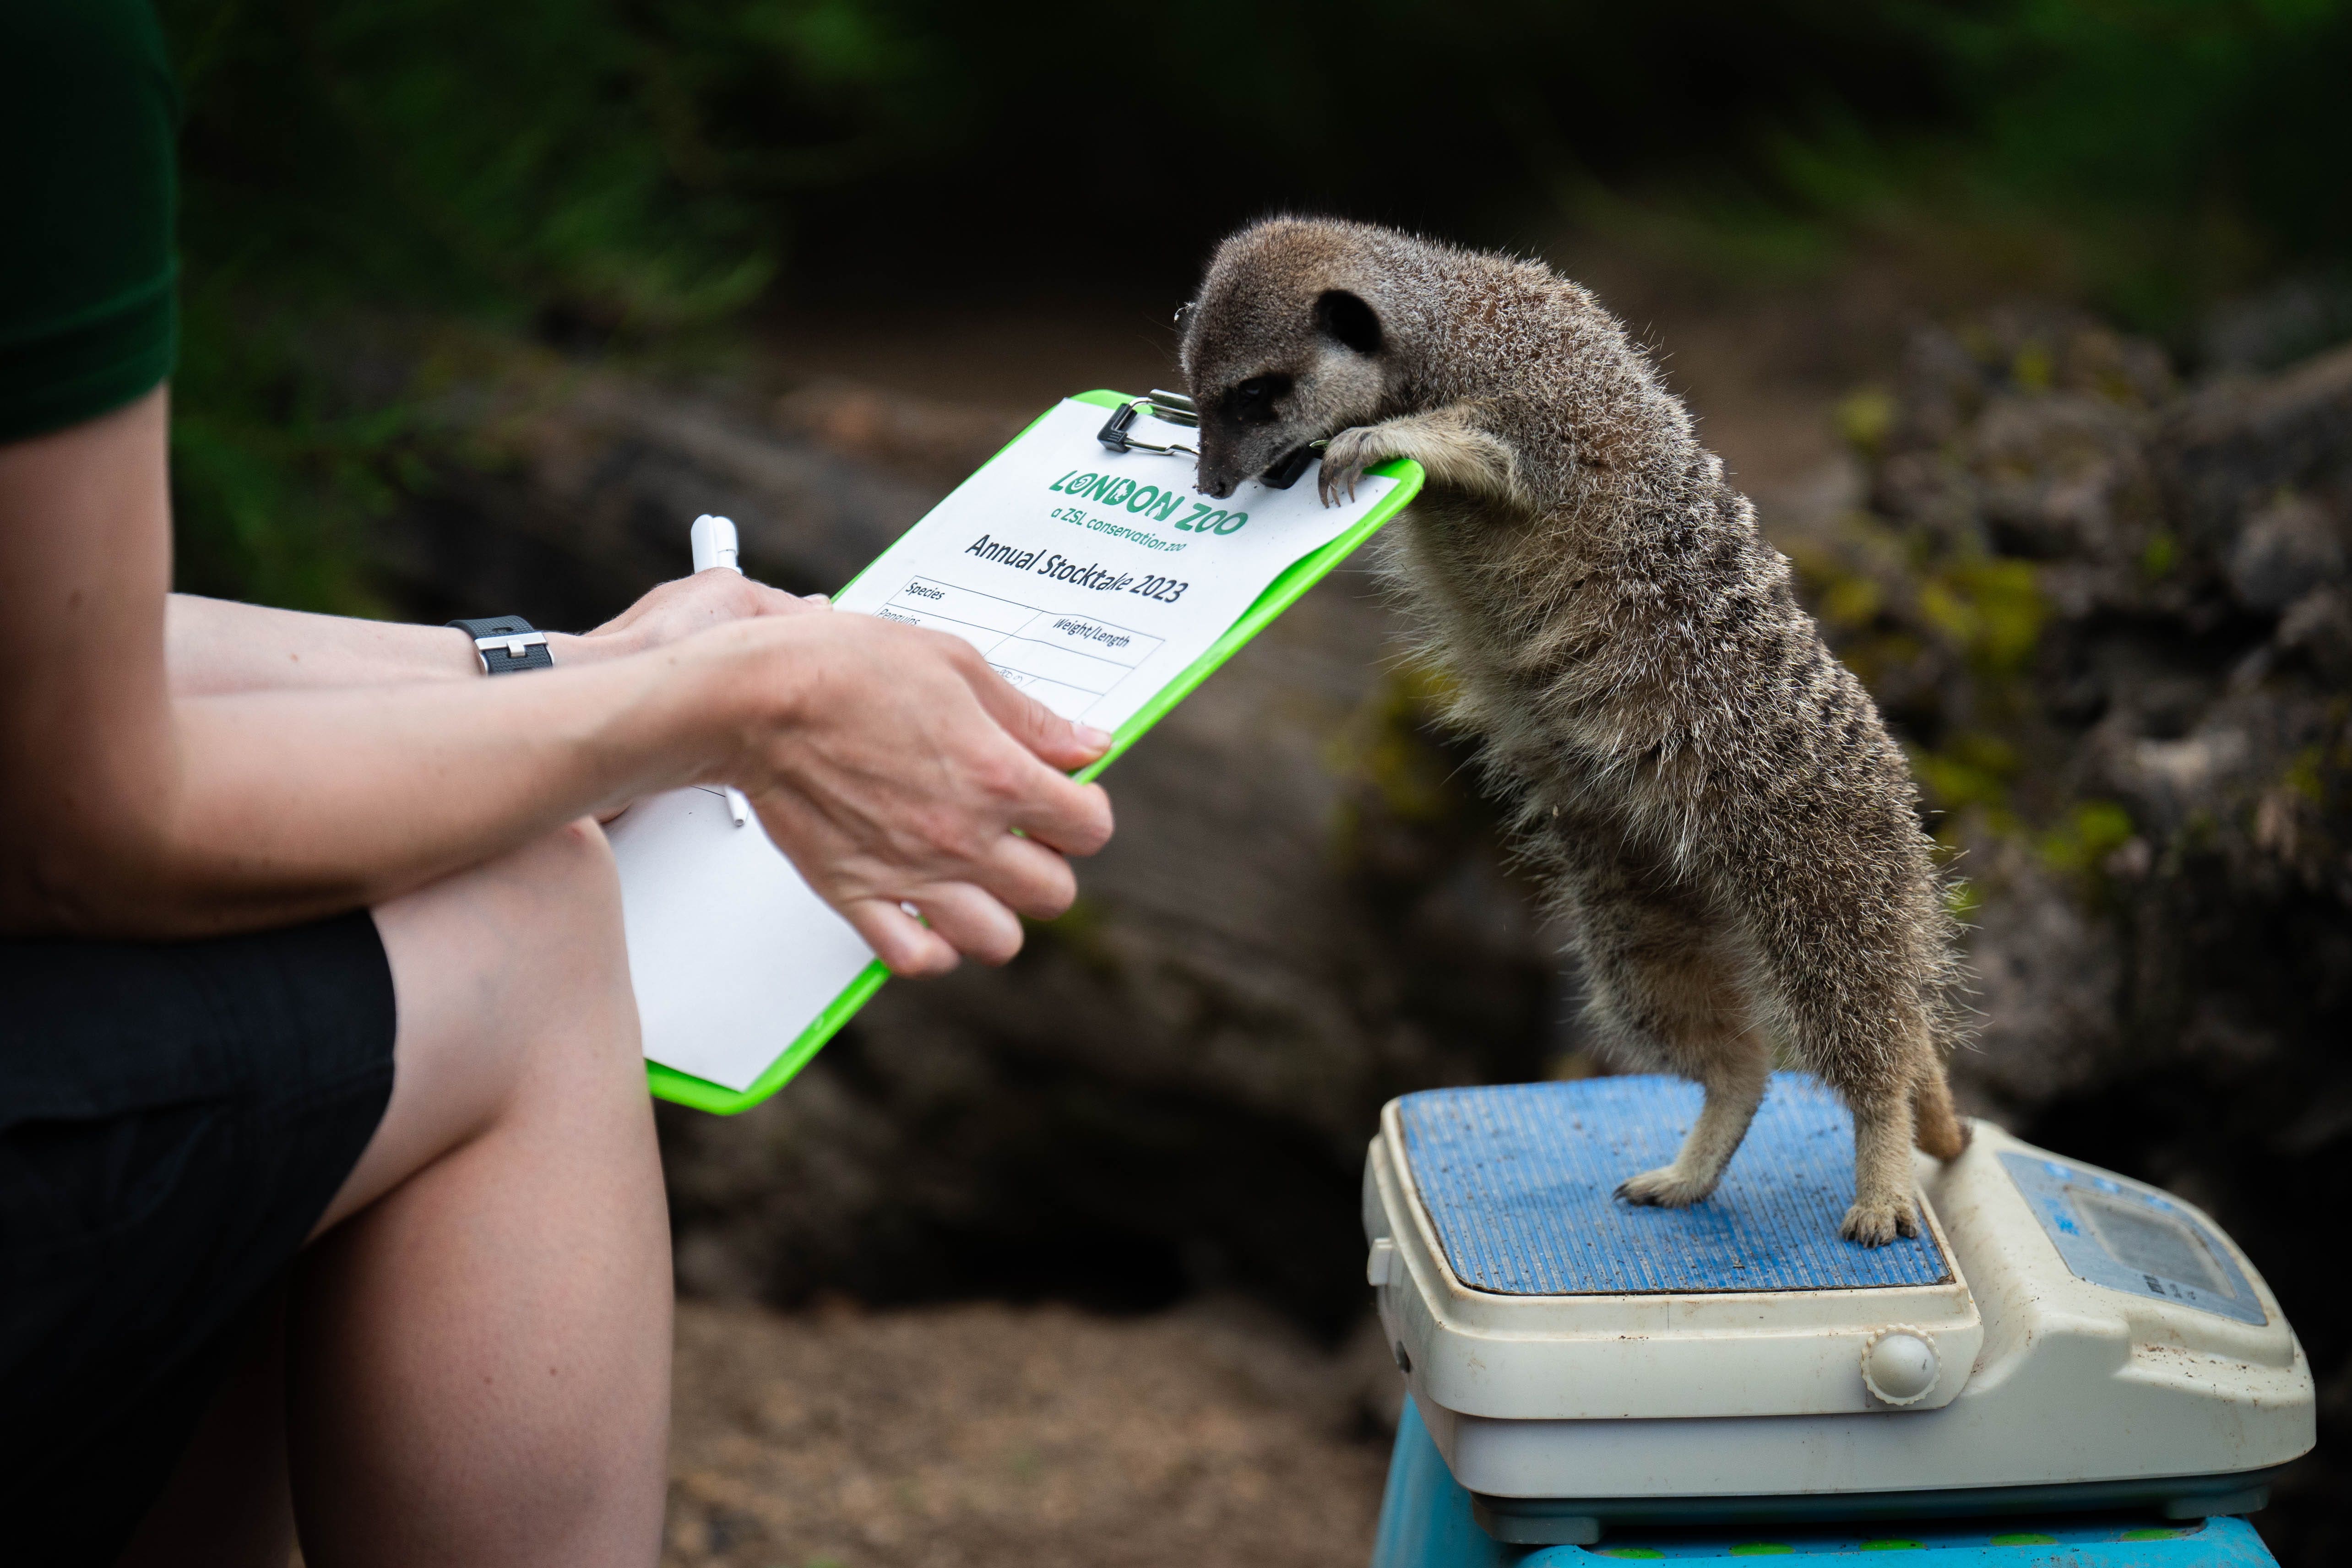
point(1252, 402)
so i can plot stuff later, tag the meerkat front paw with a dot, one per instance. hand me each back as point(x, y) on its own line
point(1880, 1221)
point(1665, 1188)
point(1345, 458)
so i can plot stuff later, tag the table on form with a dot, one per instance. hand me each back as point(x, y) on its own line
point(1068, 661)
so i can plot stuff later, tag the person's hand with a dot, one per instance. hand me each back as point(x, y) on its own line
point(676, 610)
point(680, 609)
point(899, 772)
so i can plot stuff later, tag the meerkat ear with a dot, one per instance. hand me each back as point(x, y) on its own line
point(1345, 317)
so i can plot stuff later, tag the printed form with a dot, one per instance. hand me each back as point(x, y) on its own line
point(1070, 661)
point(1088, 579)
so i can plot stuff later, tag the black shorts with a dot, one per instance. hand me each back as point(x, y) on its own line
point(174, 1120)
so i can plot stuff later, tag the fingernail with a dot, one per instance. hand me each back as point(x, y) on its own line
point(1088, 736)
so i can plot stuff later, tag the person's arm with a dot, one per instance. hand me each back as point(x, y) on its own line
point(213, 646)
point(891, 764)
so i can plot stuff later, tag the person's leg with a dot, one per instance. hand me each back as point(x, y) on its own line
point(481, 1329)
point(475, 1361)
point(478, 1343)
point(226, 1505)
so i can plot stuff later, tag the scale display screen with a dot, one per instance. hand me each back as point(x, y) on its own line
point(2128, 1237)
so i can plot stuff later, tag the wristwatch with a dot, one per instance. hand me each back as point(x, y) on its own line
point(507, 645)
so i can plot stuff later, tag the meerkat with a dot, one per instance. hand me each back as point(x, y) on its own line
point(1709, 796)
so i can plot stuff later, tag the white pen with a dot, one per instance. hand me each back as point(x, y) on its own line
point(713, 539)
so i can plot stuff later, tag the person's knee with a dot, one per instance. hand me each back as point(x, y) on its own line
point(511, 981)
point(570, 876)
point(572, 947)
point(516, 964)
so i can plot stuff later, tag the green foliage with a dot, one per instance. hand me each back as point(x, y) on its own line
point(591, 166)
point(603, 171)
point(2144, 100)
point(630, 165)
point(1969, 770)
point(1988, 607)
point(2169, 150)
point(2089, 832)
point(1864, 420)
point(274, 480)
point(1946, 636)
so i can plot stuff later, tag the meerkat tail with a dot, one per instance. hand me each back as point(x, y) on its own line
point(1936, 1127)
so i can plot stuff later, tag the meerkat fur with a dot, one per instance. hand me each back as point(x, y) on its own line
point(1710, 798)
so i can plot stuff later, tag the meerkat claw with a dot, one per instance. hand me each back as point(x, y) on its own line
point(1876, 1224)
point(1344, 462)
point(1665, 1188)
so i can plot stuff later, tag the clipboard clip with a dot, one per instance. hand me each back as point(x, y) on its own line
point(1175, 408)
point(1168, 407)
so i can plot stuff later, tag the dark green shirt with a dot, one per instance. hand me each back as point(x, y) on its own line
point(88, 312)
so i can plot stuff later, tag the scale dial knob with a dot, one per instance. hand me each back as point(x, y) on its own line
point(1899, 1366)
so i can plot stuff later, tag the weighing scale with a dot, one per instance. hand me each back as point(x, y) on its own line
point(2064, 1365)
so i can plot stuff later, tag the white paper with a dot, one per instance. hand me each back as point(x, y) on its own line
point(1090, 579)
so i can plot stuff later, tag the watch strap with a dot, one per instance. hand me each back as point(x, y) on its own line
point(507, 645)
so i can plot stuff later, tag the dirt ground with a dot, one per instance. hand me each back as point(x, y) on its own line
point(983, 1435)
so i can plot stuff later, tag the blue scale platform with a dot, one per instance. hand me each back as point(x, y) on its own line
point(1519, 1180)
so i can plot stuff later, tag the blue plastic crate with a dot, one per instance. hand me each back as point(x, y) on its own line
point(1426, 1522)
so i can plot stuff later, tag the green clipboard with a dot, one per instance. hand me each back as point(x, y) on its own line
point(685, 1089)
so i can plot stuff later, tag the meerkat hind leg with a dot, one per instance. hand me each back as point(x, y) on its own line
point(1734, 1078)
point(1664, 989)
point(1882, 1170)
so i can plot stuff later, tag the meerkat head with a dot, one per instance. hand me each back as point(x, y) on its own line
point(1286, 344)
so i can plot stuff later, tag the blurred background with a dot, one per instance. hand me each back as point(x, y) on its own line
point(2021, 320)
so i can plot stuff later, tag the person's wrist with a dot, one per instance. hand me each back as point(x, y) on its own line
point(744, 688)
point(571, 650)
point(666, 720)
